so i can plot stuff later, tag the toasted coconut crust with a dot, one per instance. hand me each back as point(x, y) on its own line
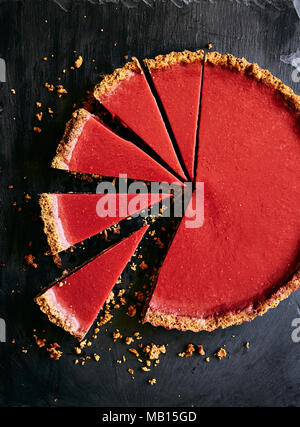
point(222, 320)
point(73, 130)
point(254, 70)
point(173, 58)
point(119, 74)
point(56, 317)
point(50, 224)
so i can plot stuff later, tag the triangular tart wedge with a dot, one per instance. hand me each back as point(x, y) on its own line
point(244, 259)
point(74, 302)
point(89, 146)
point(127, 95)
point(177, 78)
point(71, 218)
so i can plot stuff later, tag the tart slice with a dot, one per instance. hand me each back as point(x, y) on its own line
point(245, 257)
point(88, 146)
point(126, 94)
point(71, 218)
point(177, 78)
point(74, 302)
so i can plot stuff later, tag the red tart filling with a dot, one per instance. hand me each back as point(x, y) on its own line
point(75, 301)
point(130, 99)
point(235, 265)
point(89, 146)
point(177, 78)
point(71, 218)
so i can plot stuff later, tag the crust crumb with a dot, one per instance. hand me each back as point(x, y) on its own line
point(152, 351)
point(29, 259)
point(54, 353)
point(131, 312)
point(201, 350)
point(40, 342)
point(78, 62)
point(190, 349)
point(221, 353)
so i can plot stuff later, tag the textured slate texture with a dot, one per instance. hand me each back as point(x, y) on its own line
point(266, 374)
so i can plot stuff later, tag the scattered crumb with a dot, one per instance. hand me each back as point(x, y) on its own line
point(77, 350)
point(131, 311)
point(39, 116)
point(152, 382)
point(143, 265)
point(29, 259)
point(96, 357)
point(78, 62)
point(153, 351)
point(209, 46)
point(37, 129)
point(201, 350)
point(60, 90)
point(207, 359)
point(117, 335)
point(40, 342)
point(49, 86)
point(247, 344)
point(54, 353)
point(13, 91)
point(129, 340)
point(134, 351)
point(221, 353)
point(188, 352)
point(38, 104)
point(131, 371)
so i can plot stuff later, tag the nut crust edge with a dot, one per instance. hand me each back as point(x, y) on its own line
point(72, 131)
point(230, 318)
point(173, 58)
point(255, 71)
point(55, 316)
point(50, 228)
point(119, 74)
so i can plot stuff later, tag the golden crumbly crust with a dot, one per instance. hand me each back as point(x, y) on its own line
point(253, 70)
point(119, 74)
point(55, 316)
point(224, 320)
point(73, 129)
point(50, 226)
point(173, 58)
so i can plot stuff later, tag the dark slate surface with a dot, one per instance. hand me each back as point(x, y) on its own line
point(266, 374)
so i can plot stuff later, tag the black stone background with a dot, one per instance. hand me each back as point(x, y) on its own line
point(266, 374)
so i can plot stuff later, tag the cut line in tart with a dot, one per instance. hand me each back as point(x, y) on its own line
point(89, 146)
point(245, 257)
point(74, 302)
point(127, 95)
point(71, 218)
point(177, 78)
